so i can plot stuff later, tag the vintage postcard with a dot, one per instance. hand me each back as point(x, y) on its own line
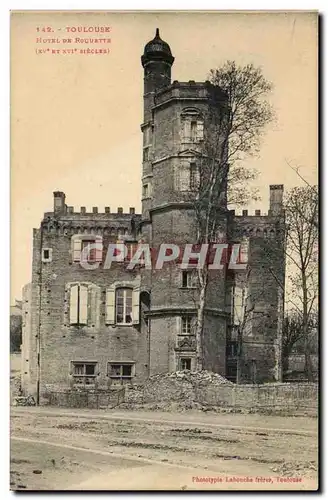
point(164, 250)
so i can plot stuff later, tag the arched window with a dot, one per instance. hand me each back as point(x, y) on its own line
point(123, 306)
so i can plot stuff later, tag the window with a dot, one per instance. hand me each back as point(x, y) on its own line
point(192, 125)
point(196, 130)
point(46, 254)
point(244, 250)
point(200, 131)
point(84, 373)
point(186, 324)
point(193, 130)
point(123, 305)
point(146, 154)
point(145, 191)
point(194, 177)
point(78, 304)
point(189, 279)
point(232, 348)
point(185, 364)
point(132, 247)
point(121, 371)
point(238, 302)
point(188, 176)
point(87, 248)
point(184, 178)
point(147, 136)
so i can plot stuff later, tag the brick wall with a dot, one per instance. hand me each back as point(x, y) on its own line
point(59, 343)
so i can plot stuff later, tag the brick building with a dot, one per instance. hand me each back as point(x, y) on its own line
point(95, 328)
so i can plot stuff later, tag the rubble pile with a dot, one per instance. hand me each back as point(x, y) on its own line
point(15, 386)
point(180, 387)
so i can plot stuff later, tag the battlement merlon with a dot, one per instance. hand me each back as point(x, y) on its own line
point(276, 209)
point(64, 212)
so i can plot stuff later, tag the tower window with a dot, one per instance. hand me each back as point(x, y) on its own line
point(185, 363)
point(146, 191)
point(186, 324)
point(189, 279)
point(46, 255)
point(193, 130)
point(194, 177)
point(146, 154)
point(238, 301)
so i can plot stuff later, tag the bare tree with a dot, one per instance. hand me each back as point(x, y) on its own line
point(292, 332)
point(302, 253)
point(233, 127)
point(301, 250)
point(293, 337)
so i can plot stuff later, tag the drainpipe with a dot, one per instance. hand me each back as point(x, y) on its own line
point(39, 322)
point(148, 331)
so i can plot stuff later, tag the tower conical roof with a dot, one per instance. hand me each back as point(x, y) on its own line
point(157, 49)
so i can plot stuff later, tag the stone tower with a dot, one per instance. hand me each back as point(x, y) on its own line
point(172, 137)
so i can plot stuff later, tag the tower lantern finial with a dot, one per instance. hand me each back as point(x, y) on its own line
point(157, 33)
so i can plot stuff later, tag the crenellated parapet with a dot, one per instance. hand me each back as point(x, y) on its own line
point(258, 224)
point(67, 221)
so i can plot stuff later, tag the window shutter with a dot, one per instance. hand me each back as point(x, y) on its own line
point(178, 277)
point(178, 325)
point(238, 305)
point(244, 251)
point(110, 306)
point(83, 305)
point(186, 130)
point(66, 307)
point(135, 306)
point(200, 130)
point(99, 250)
point(184, 178)
point(77, 244)
point(73, 304)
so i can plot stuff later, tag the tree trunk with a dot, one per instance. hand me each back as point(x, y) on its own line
point(239, 355)
point(308, 364)
point(285, 361)
point(200, 327)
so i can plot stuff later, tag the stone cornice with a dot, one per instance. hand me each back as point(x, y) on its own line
point(172, 206)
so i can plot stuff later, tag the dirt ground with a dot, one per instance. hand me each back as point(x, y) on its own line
point(61, 449)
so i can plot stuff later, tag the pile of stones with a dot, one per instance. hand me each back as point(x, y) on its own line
point(180, 387)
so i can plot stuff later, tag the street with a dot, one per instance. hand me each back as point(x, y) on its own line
point(62, 449)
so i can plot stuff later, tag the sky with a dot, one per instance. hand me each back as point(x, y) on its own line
point(75, 119)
